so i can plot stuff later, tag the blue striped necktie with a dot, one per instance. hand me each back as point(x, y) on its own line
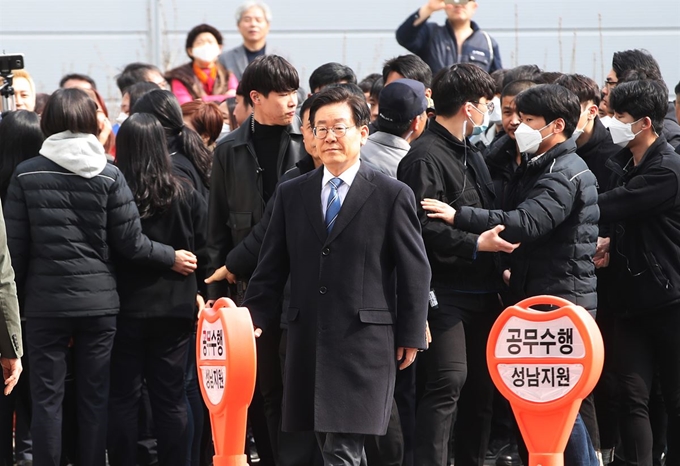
point(333, 204)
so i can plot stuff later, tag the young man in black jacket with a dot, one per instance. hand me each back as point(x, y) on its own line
point(643, 213)
point(246, 168)
point(442, 164)
point(550, 208)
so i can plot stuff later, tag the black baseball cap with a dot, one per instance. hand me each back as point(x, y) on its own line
point(402, 100)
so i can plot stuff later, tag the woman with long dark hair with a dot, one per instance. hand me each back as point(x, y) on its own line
point(190, 158)
point(158, 308)
point(20, 139)
point(68, 212)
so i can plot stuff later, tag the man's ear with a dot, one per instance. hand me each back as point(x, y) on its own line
point(559, 126)
point(592, 111)
point(254, 97)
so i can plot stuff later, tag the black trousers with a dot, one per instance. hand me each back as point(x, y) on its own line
point(388, 449)
point(155, 350)
point(48, 340)
point(342, 449)
point(457, 378)
point(19, 402)
point(644, 345)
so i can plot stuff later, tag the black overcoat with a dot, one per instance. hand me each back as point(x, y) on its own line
point(356, 295)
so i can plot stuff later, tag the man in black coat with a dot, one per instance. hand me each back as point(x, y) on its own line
point(350, 239)
point(246, 168)
point(643, 213)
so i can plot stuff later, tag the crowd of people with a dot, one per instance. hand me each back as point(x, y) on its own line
point(375, 228)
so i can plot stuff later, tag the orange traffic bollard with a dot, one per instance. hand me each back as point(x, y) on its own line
point(226, 363)
point(545, 364)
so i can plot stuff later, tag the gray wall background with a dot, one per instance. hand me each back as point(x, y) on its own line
point(98, 37)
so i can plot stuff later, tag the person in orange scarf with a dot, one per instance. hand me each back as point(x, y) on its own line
point(204, 77)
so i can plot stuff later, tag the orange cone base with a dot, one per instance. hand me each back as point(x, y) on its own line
point(543, 459)
point(233, 460)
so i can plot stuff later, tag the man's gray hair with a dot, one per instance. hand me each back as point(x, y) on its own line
point(245, 6)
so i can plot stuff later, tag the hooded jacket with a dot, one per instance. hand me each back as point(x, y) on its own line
point(550, 207)
point(65, 210)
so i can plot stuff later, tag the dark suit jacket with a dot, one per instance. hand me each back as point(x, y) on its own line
point(356, 295)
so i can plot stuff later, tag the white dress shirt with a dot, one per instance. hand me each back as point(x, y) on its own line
point(347, 178)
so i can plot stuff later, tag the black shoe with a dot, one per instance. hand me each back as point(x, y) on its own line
point(495, 446)
point(508, 456)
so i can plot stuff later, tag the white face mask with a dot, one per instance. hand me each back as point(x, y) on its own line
point(622, 133)
point(479, 129)
point(224, 132)
point(206, 52)
point(578, 132)
point(122, 116)
point(528, 139)
point(606, 121)
point(496, 116)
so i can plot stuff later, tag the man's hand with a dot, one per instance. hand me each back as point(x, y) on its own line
point(428, 335)
point(506, 276)
point(200, 304)
point(11, 369)
point(105, 128)
point(439, 209)
point(406, 356)
point(489, 241)
point(220, 274)
point(601, 258)
point(426, 10)
point(185, 262)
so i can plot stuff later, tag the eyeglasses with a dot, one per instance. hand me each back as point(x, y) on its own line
point(489, 106)
point(609, 84)
point(320, 132)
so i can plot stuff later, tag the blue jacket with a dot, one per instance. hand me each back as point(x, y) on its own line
point(436, 45)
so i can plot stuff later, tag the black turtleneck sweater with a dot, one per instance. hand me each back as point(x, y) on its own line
point(267, 141)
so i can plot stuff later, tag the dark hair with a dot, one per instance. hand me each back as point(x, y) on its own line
point(410, 67)
point(40, 101)
point(20, 139)
point(677, 89)
point(648, 98)
point(334, 95)
point(137, 90)
point(549, 77)
point(640, 60)
point(377, 88)
point(330, 73)
point(366, 83)
point(269, 73)
point(522, 73)
point(69, 109)
point(79, 77)
point(142, 156)
point(200, 29)
point(306, 105)
point(396, 128)
point(585, 88)
point(636, 75)
point(353, 88)
point(230, 102)
point(239, 90)
point(205, 117)
point(165, 107)
point(134, 73)
point(454, 86)
point(515, 87)
point(497, 77)
point(551, 102)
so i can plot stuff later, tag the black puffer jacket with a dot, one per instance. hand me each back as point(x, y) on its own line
point(643, 210)
point(64, 214)
point(551, 208)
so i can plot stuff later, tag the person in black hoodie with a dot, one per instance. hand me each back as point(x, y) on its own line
point(157, 308)
point(550, 208)
point(442, 164)
point(643, 213)
point(67, 212)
